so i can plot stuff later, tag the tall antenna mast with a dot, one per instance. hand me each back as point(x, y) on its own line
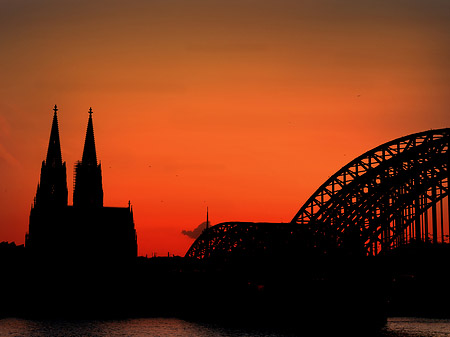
point(207, 216)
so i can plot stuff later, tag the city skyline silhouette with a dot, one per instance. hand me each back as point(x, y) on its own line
point(376, 231)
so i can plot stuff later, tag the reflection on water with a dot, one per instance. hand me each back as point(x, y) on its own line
point(396, 327)
point(131, 327)
point(417, 327)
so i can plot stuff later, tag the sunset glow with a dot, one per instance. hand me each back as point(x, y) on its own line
point(245, 107)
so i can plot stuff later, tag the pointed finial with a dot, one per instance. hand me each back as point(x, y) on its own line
point(55, 109)
point(90, 112)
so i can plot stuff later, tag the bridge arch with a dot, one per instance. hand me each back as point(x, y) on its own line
point(237, 239)
point(389, 196)
point(392, 195)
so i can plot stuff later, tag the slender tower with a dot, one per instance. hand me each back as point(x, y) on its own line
point(52, 189)
point(88, 190)
point(51, 196)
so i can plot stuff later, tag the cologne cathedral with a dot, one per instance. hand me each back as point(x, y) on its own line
point(86, 231)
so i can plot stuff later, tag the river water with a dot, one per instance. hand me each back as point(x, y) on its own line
point(396, 327)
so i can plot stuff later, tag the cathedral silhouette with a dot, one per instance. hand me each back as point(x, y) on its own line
point(86, 231)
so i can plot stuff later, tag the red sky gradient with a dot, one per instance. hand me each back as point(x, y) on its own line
point(246, 107)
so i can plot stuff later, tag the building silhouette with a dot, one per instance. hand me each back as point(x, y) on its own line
point(86, 231)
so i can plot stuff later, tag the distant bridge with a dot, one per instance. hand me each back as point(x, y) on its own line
point(393, 195)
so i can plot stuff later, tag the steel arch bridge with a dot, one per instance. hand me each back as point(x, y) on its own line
point(392, 195)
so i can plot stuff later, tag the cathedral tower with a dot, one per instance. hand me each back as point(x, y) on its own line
point(52, 189)
point(88, 190)
point(51, 196)
point(86, 233)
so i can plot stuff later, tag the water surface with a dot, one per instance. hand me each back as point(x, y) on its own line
point(14, 327)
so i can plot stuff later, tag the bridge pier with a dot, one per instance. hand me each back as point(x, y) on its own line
point(434, 213)
point(448, 213)
point(417, 233)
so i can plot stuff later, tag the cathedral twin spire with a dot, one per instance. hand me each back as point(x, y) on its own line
point(86, 233)
point(88, 190)
point(89, 153)
point(54, 157)
point(52, 190)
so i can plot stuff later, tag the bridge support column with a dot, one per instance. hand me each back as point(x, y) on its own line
point(448, 213)
point(441, 204)
point(448, 194)
point(417, 219)
point(425, 228)
point(434, 214)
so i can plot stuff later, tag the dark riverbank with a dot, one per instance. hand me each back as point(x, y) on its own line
point(251, 292)
point(326, 292)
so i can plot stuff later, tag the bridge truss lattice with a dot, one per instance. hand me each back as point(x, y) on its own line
point(392, 195)
point(389, 196)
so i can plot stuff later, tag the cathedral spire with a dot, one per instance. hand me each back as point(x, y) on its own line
point(54, 157)
point(89, 152)
point(88, 190)
point(52, 188)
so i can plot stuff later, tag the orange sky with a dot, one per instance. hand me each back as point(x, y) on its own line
point(246, 106)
